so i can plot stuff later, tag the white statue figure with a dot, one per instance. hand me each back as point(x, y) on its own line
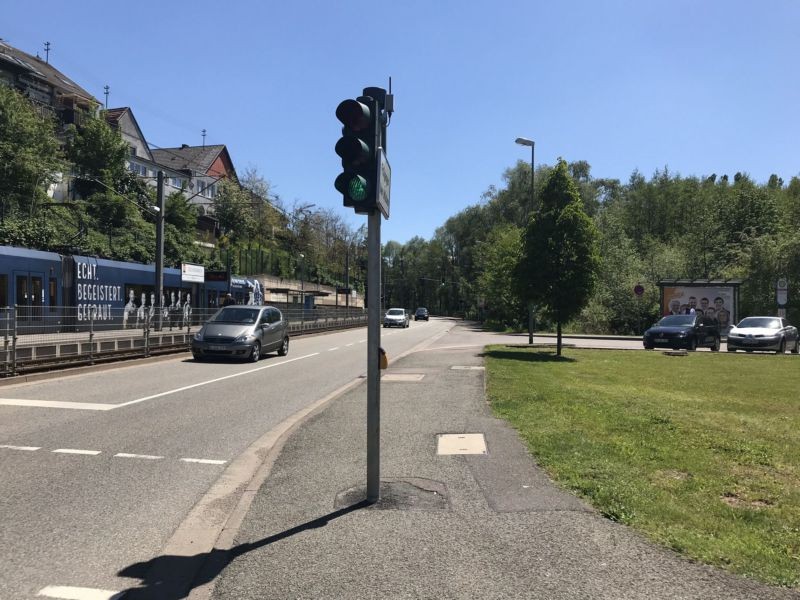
point(129, 309)
point(187, 310)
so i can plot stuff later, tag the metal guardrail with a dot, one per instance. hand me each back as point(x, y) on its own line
point(36, 338)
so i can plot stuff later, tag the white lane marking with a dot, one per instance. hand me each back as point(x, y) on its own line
point(74, 451)
point(56, 404)
point(204, 461)
point(348, 345)
point(97, 406)
point(144, 456)
point(66, 592)
point(332, 349)
point(194, 385)
point(28, 448)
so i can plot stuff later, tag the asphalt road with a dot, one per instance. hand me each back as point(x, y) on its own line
point(99, 469)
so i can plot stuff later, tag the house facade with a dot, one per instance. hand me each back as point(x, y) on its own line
point(52, 93)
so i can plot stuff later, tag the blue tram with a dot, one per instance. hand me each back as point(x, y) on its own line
point(42, 284)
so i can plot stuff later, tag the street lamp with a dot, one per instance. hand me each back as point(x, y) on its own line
point(302, 280)
point(526, 142)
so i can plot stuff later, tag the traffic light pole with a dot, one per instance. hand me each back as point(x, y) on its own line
point(373, 357)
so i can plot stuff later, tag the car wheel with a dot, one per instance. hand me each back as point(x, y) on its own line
point(197, 357)
point(284, 349)
point(255, 354)
point(693, 344)
point(646, 347)
point(781, 347)
point(796, 348)
point(716, 345)
point(731, 349)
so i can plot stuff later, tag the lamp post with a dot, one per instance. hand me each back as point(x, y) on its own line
point(526, 142)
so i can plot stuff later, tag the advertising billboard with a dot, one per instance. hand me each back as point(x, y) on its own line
point(715, 301)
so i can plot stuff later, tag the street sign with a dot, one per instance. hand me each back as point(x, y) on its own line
point(384, 182)
point(782, 291)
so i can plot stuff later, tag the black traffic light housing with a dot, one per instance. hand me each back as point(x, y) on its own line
point(358, 149)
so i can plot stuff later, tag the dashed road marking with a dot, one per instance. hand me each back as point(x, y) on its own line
point(204, 461)
point(56, 404)
point(76, 451)
point(332, 349)
point(143, 456)
point(25, 448)
point(65, 592)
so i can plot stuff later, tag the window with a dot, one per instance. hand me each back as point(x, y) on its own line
point(53, 294)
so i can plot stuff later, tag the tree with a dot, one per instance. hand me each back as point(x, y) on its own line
point(30, 158)
point(233, 209)
point(98, 153)
point(497, 259)
point(559, 258)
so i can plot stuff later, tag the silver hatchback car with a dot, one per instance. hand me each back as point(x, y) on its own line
point(245, 332)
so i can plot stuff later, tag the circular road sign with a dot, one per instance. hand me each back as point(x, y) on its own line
point(638, 289)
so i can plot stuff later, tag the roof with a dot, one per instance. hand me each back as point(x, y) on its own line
point(192, 158)
point(37, 68)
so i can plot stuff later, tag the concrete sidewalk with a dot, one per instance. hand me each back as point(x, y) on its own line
point(447, 526)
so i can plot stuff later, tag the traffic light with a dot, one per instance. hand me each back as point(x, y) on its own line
point(358, 148)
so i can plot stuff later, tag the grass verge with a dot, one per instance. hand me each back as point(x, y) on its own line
point(699, 452)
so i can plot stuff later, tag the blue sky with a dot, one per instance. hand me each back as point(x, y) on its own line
point(700, 87)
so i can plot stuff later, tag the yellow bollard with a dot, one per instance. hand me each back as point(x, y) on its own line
point(384, 360)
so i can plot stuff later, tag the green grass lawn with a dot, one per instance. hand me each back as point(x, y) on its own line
point(700, 452)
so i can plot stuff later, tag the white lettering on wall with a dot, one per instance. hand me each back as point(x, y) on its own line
point(94, 298)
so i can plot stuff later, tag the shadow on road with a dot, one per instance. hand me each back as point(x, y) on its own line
point(173, 577)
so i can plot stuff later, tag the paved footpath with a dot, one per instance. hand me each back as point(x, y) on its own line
point(447, 526)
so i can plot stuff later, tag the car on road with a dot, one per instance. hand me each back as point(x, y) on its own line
point(244, 332)
point(396, 317)
point(421, 314)
point(763, 333)
point(683, 331)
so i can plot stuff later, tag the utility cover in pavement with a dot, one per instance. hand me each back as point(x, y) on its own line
point(408, 377)
point(461, 443)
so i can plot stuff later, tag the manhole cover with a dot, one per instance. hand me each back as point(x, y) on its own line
point(461, 443)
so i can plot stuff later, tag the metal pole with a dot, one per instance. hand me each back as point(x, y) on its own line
point(373, 358)
point(533, 207)
point(160, 248)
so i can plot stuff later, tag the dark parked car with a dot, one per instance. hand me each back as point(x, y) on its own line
point(421, 314)
point(245, 332)
point(763, 333)
point(683, 331)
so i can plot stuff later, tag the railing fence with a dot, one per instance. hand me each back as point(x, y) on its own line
point(58, 336)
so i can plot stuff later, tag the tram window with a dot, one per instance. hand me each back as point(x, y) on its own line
point(22, 290)
point(3, 290)
point(53, 294)
point(37, 296)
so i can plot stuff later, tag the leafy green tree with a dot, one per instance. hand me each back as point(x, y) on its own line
point(497, 260)
point(30, 158)
point(233, 209)
point(559, 259)
point(98, 153)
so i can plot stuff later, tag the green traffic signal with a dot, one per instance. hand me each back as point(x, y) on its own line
point(358, 148)
point(352, 187)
